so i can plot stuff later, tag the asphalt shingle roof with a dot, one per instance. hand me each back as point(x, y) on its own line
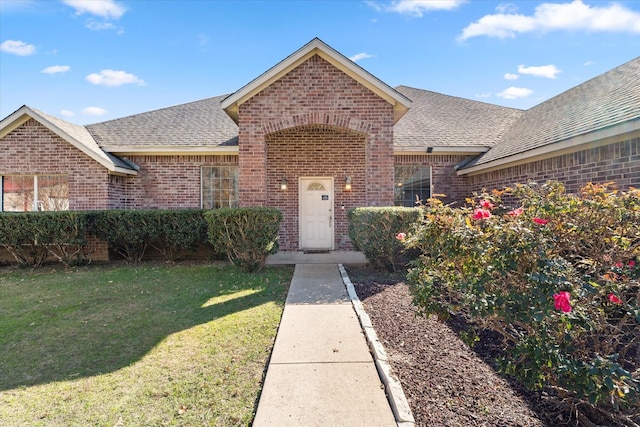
point(435, 120)
point(605, 100)
point(82, 136)
point(201, 123)
point(442, 120)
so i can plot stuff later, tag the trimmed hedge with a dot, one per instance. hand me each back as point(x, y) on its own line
point(246, 235)
point(375, 230)
point(128, 232)
point(179, 230)
point(131, 232)
point(32, 237)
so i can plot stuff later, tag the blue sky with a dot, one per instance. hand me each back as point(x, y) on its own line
point(88, 61)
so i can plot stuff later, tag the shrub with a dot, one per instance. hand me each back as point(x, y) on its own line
point(178, 230)
point(557, 278)
point(32, 237)
point(246, 235)
point(128, 232)
point(376, 231)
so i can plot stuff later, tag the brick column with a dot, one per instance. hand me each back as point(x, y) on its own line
point(252, 167)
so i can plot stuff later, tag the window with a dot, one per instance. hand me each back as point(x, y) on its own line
point(219, 187)
point(412, 184)
point(22, 193)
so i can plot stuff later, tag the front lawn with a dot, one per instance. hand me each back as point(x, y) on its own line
point(136, 345)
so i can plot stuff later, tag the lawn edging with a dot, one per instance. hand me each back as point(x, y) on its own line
point(395, 394)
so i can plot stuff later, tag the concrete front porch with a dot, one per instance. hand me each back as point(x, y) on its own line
point(329, 257)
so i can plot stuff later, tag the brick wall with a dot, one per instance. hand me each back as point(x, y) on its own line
point(355, 133)
point(32, 149)
point(315, 93)
point(315, 151)
point(619, 162)
point(166, 182)
point(444, 179)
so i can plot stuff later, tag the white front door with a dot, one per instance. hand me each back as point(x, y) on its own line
point(316, 213)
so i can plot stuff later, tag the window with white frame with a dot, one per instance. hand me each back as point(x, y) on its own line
point(412, 184)
point(219, 187)
point(23, 193)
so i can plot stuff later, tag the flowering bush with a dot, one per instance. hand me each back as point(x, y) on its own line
point(556, 277)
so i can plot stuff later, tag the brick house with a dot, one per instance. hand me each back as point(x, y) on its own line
point(315, 136)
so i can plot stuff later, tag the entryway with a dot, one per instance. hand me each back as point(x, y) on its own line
point(316, 213)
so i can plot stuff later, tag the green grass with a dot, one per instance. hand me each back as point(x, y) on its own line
point(136, 345)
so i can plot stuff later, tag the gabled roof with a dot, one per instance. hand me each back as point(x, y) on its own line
point(603, 107)
point(196, 127)
point(76, 135)
point(443, 123)
point(317, 47)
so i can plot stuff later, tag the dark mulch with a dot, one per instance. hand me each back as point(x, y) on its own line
point(446, 383)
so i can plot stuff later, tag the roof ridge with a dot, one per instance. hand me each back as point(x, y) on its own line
point(457, 97)
point(159, 109)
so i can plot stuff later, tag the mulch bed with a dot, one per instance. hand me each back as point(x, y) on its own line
point(446, 382)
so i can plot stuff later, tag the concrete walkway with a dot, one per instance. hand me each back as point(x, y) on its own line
point(321, 372)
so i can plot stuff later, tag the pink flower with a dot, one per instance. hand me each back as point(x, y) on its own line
point(632, 263)
point(516, 212)
point(540, 221)
point(401, 236)
point(562, 301)
point(486, 204)
point(619, 264)
point(481, 214)
point(614, 299)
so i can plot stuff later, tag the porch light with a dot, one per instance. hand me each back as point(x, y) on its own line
point(347, 183)
point(283, 184)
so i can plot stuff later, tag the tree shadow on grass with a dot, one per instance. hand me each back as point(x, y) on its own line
point(68, 332)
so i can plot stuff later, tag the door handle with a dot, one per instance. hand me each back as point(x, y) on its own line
point(330, 218)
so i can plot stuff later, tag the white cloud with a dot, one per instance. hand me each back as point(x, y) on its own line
point(114, 78)
point(418, 7)
point(17, 47)
point(574, 16)
point(506, 8)
point(94, 111)
point(54, 69)
point(107, 9)
point(100, 26)
point(548, 71)
point(510, 76)
point(66, 113)
point(483, 95)
point(358, 56)
point(515, 93)
point(586, 64)
point(16, 5)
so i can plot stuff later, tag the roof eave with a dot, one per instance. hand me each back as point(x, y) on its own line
point(441, 150)
point(24, 113)
point(629, 129)
point(166, 150)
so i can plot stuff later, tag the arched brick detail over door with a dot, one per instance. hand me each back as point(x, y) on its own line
point(317, 118)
